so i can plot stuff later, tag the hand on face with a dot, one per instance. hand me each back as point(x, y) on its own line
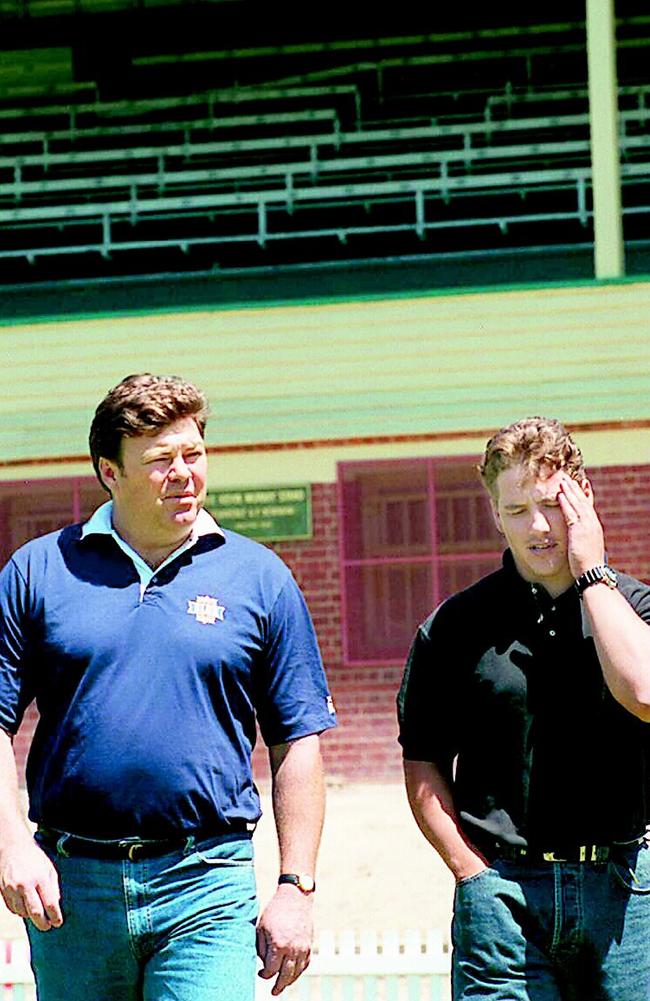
point(586, 544)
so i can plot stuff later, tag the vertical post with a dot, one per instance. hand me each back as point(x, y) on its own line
point(261, 223)
point(419, 213)
point(603, 116)
point(76, 499)
point(106, 236)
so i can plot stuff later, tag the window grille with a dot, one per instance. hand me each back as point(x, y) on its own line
point(34, 507)
point(413, 531)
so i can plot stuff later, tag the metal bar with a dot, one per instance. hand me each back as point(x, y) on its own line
point(582, 201)
point(419, 214)
point(261, 224)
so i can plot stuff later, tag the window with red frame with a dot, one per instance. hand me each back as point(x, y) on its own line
point(413, 532)
point(34, 507)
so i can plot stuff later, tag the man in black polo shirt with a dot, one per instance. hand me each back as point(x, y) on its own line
point(524, 715)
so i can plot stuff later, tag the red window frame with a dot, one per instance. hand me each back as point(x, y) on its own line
point(44, 505)
point(395, 572)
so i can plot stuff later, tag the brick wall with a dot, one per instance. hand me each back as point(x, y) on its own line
point(364, 746)
point(22, 741)
point(623, 502)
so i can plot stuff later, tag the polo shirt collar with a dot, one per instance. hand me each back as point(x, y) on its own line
point(535, 593)
point(101, 523)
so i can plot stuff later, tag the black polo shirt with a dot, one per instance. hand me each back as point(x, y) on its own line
point(504, 681)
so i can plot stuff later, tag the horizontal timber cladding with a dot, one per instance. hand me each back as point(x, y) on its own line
point(340, 370)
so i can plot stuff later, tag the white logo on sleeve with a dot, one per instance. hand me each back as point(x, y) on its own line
point(206, 609)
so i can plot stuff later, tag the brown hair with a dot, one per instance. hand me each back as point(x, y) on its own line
point(142, 404)
point(541, 444)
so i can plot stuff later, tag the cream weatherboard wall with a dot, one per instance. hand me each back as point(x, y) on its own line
point(343, 379)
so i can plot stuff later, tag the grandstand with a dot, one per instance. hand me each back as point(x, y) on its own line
point(131, 147)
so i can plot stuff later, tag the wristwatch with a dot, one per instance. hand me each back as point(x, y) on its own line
point(304, 883)
point(600, 574)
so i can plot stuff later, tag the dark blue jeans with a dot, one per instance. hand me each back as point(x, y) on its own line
point(555, 931)
point(176, 928)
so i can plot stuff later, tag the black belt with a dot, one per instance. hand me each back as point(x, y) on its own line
point(132, 848)
point(565, 853)
point(568, 853)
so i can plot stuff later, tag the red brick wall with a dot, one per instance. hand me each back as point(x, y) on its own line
point(623, 502)
point(364, 745)
point(23, 739)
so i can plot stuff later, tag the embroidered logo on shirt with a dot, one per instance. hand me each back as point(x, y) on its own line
point(206, 609)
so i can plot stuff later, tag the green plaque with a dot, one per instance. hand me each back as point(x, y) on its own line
point(266, 513)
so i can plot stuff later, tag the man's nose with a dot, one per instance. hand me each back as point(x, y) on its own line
point(179, 469)
point(540, 522)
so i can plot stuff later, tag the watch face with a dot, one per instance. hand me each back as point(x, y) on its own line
point(305, 884)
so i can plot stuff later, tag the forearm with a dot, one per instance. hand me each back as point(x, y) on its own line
point(29, 883)
point(621, 637)
point(431, 802)
point(285, 929)
point(13, 826)
point(622, 642)
point(298, 802)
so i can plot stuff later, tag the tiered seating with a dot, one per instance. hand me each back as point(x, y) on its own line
point(317, 153)
point(479, 157)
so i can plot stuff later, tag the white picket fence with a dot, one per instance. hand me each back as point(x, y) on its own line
point(373, 966)
point(345, 966)
point(16, 978)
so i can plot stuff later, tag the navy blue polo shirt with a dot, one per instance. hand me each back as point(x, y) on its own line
point(148, 695)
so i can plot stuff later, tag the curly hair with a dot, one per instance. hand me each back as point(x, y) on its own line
point(541, 444)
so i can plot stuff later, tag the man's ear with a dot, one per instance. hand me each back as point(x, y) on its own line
point(108, 471)
point(496, 516)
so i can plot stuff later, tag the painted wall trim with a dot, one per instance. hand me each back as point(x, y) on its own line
point(591, 427)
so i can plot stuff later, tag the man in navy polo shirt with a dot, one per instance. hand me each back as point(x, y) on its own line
point(524, 717)
point(152, 641)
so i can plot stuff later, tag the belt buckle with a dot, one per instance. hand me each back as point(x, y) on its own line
point(552, 857)
point(132, 848)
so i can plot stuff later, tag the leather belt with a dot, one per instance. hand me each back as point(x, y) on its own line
point(132, 849)
point(566, 853)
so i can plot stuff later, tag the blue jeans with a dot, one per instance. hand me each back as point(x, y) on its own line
point(180, 927)
point(555, 931)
